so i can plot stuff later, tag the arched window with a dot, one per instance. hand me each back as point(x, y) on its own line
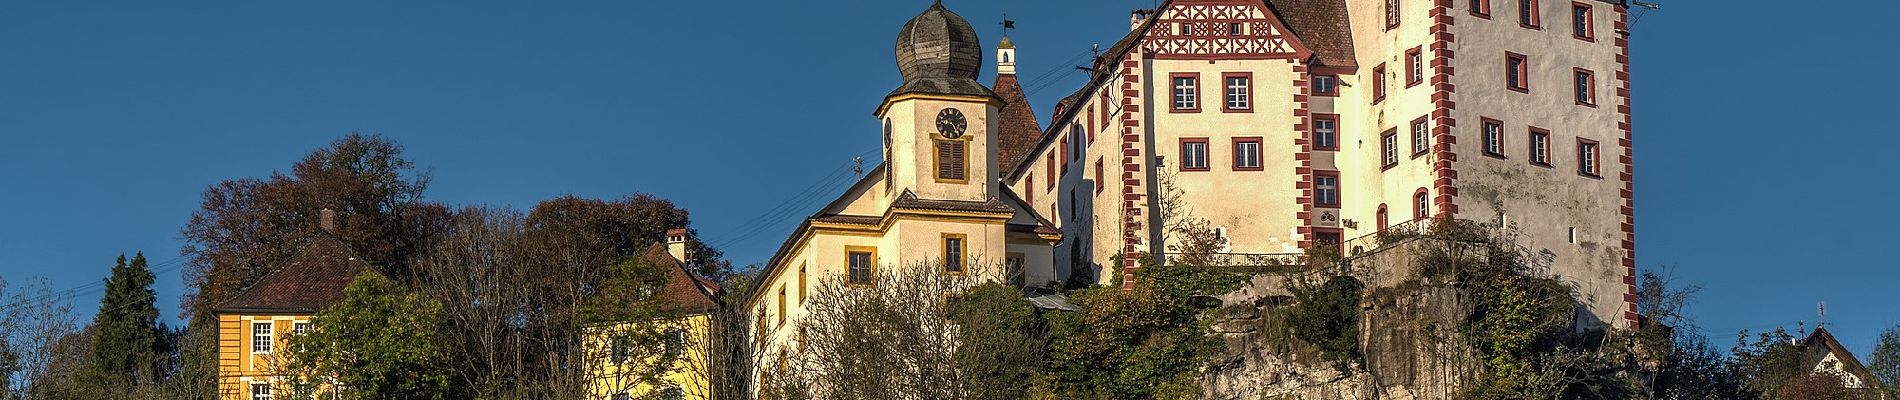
point(1422, 204)
point(1383, 220)
point(887, 155)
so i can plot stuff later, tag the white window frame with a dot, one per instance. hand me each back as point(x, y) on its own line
point(1587, 154)
point(1391, 145)
point(1329, 83)
point(1186, 93)
point(1237, 96)
point(1325, 133)
point(1540, 148)
point(1247, 154)
point(1421, 137)
point(261, 338)
point(265, 394)
point(1493, 137)
point(1324, 193)
point(1191, 158)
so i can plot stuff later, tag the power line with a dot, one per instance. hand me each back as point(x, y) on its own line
point(791, 206)
point(158, 269)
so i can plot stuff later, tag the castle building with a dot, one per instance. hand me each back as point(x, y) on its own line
point(936, 202)
point(1289, 123)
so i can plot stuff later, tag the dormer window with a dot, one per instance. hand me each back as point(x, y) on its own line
point(1233, 28)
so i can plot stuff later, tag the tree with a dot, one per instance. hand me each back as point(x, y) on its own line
point(126, 349)
point(617, 229)
point(1768, 362)
point(379, 342)
point(35, 326)
point(1689, 366)
point(1885, 361)
point(246, 227)
point(914, 334)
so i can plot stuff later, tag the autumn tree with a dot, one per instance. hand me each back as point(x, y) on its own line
point(1885, 360)
point(35, 324)
point(610, 230)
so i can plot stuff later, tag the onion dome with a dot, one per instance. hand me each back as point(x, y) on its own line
point(938, 44)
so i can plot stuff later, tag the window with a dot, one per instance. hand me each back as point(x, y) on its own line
point(1391, 14)
point(260, 391)
point(1421, 204)
point(801, 283)
point(1493, 132)
point(1078, 131)
point(672, 393)
point(1414, 67)
point(1481, 8)
point(299, 328)
point(1099, 183)
point(1326, 85)
point(1066, 155)
point(1247, 154)
point(1186, 92)
point(1239, 88)
point(1587, 158)
point(1326, 188)
point(1233, 28)
point(1527, 13)
point(1378, 83)
point(1029, 189)
point(1421, 136)
point(887, 156)
point(1013, 269)
point(953, 253)
point(1105, 110)
point(861, 263)
point(1389, 148)
point(1582, 24)
point(260, 338)
point(1051, 166)
point(1184, 30)
point(1586, 83)
point(1382, 218)
point(1540, 147)
point(1326, 131)
point(759, 323)
point(1517, 71)
point(621, 348)
point(676, 342)
point(950, 159)
point(781, 305)
point(1194, 154)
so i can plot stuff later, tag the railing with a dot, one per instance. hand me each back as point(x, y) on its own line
point(1396, 234)
point(1257, 260)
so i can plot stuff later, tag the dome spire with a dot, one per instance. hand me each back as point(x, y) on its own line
point(938, 43)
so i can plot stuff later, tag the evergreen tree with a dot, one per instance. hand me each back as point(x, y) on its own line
point(127, 348)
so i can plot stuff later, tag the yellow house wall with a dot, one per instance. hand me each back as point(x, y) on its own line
point(238, 367)
point(1257, 209)
point(688, 372)
point(913, 147)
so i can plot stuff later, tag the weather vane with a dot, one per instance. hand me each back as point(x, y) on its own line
point(1007, 24)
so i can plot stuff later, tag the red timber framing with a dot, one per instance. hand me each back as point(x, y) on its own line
point(1132, 175)
point(1207, 34)
point(1626, 160)
point(1303, 159)
point(1442, 106)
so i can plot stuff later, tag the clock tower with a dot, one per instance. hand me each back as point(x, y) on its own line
point(939, 126)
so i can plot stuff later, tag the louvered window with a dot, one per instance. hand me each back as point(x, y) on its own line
point(950, 159)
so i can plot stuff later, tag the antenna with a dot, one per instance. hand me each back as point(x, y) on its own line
point(857, 167)
point(1644, 8)
point(1822, 310)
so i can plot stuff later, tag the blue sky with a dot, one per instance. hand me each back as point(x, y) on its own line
point(1758, 125)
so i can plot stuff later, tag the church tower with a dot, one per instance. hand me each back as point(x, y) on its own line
point(940, 125)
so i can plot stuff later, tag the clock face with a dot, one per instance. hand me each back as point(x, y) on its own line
point(951, 124)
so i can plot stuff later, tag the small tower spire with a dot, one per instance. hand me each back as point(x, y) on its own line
point(1006, 50)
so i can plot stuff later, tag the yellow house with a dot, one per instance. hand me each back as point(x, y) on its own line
point(253, 327)
point(614, 364)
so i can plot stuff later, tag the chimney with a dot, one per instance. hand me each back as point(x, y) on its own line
point(327, 220)
point(1137, 17)
point(676, 243)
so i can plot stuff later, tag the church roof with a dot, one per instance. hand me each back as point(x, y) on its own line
point(938, 52)
point(1017, 129)
point(310, 281)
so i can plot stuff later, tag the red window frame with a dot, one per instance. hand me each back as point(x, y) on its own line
point(1389, 149)
point(1392, 15)
point(1588, 88)
point(1327, 93)
point(1090, 129)
point(1065, 155)
point(1207, 155)
point(1487, 127)
point(1481, 8)
point(1029, 189)
point(1590, 165)
point(1378, 83)
point(1259, 151)
point(1334, 119)
point(1224, 76)
point(1414, 67)
point(1194, 84)
point(1338, 190)
point(1523, 70)
point(1528, 14)
point(1421, 138)
point(1383, 218)
point(1539, 157)
point(1421, 204)
point(1586, 29)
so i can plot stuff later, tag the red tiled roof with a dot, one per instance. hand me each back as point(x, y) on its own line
point(1322, 25)
point(684, 291)
point(311, 281)
point(1017, 130)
